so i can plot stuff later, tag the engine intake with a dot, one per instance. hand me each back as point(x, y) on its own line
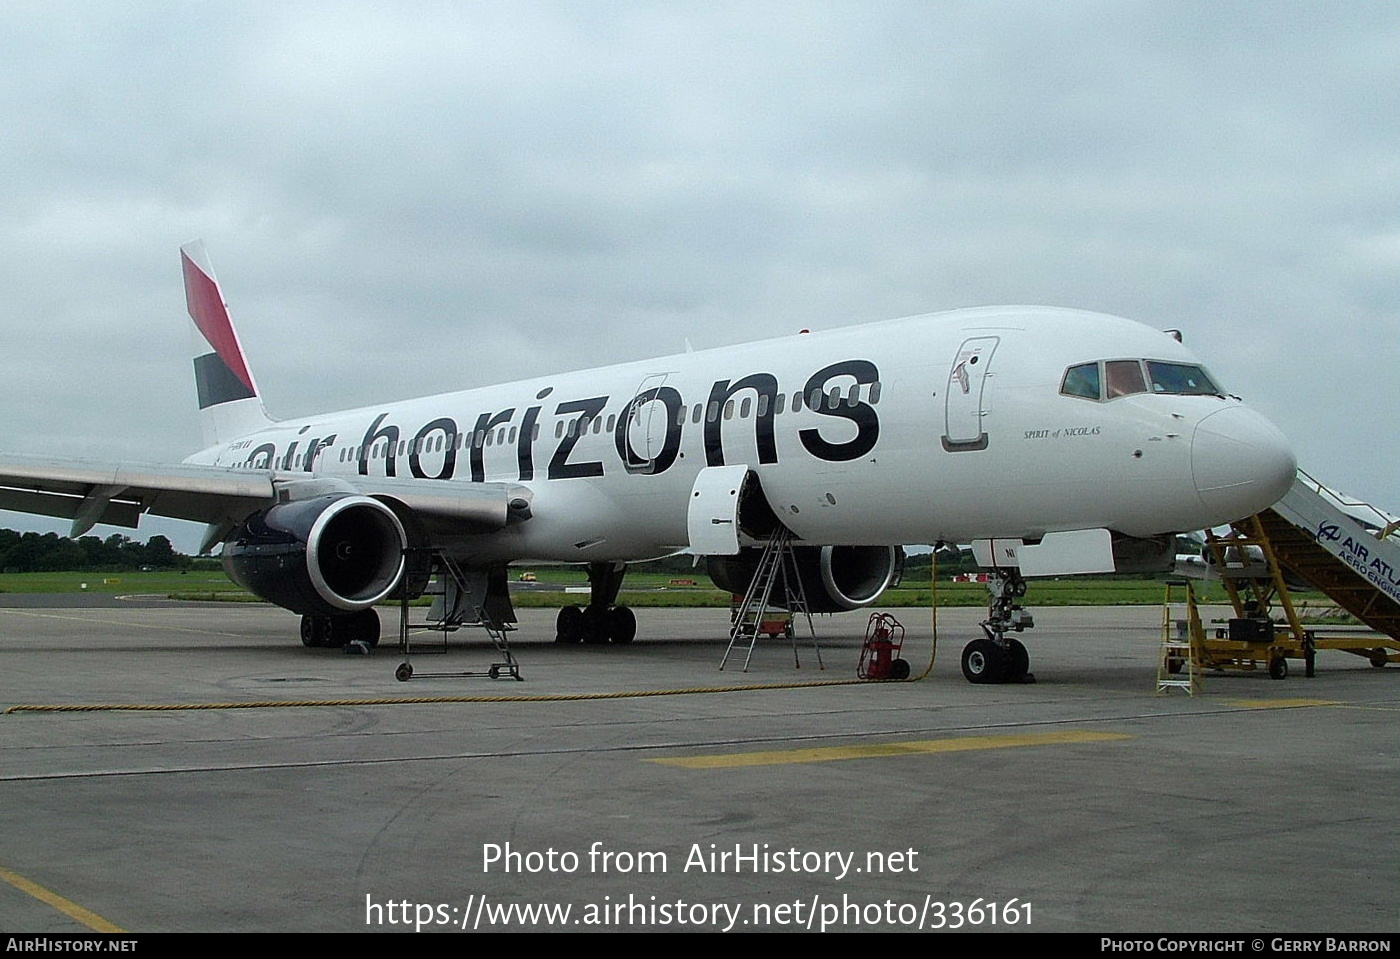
point(834, 578)
point(322, 556)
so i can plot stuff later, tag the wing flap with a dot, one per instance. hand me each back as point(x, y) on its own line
point(118, 494)
point(116, 512)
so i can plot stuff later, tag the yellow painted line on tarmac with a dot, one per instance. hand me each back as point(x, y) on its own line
point(66, 906)
point(1282, 703)
point(922, 747)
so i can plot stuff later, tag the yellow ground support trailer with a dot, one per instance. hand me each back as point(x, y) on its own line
point(1346, 549)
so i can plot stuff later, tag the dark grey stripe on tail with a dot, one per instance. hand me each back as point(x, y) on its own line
point(217, 383)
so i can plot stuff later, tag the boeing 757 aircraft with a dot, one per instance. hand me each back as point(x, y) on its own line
point(1054, 440)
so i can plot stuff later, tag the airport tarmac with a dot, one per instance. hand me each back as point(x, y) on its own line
point(1084, 802)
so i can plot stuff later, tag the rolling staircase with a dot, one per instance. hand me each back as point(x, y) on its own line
point(1347, 549)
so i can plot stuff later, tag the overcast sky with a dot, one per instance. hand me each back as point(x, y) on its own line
point(405, 198)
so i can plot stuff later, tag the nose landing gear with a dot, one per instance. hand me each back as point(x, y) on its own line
point(997, 658)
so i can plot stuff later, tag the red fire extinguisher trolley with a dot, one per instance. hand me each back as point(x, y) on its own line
point(879, 656)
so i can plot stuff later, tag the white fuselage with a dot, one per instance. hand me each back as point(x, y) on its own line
point(941, 427)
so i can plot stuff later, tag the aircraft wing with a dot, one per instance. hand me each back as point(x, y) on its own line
point(117, 494)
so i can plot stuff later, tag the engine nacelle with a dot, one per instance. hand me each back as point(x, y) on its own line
point(323, 556)
point(834, 578)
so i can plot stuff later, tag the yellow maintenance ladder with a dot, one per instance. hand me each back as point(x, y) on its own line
point(1178, 666)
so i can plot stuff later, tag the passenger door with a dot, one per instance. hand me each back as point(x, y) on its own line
point(963, 399)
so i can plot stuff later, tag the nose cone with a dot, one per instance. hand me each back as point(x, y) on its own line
point(1240, 463)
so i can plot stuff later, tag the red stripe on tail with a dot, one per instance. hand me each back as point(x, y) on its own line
point(207, 309)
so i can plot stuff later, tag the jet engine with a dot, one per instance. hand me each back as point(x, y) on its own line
point(323, 556)
point(834, 578)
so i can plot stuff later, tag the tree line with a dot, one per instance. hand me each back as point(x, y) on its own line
point(51, 553)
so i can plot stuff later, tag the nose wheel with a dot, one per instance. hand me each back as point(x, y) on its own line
point(983, 662)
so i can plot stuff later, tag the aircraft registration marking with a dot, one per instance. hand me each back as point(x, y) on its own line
point(922, 747)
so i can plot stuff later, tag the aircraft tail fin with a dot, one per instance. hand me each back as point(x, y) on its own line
point(229, 403)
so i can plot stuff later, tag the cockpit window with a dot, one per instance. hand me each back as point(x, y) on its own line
point(1180, 378)
point(1082, 380)
point(1124, 377)
point(1110, 379)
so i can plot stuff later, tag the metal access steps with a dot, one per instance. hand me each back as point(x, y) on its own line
point(1344, 548)
point(774, 599)
point(1332, 542)
point(456, 604)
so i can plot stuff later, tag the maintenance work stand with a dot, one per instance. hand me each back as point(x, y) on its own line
point(1348, 550)
point(457, 602)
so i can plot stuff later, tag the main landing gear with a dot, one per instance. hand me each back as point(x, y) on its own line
point(361, 627)
point(600, 621)
point(596, 624)
point(997, 658)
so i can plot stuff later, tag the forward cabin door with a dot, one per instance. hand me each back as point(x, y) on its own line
point(646, 427)
point(964, 403)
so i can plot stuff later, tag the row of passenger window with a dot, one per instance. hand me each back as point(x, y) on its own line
point(1109, 379)
point(435, 443)
point(742, 407)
